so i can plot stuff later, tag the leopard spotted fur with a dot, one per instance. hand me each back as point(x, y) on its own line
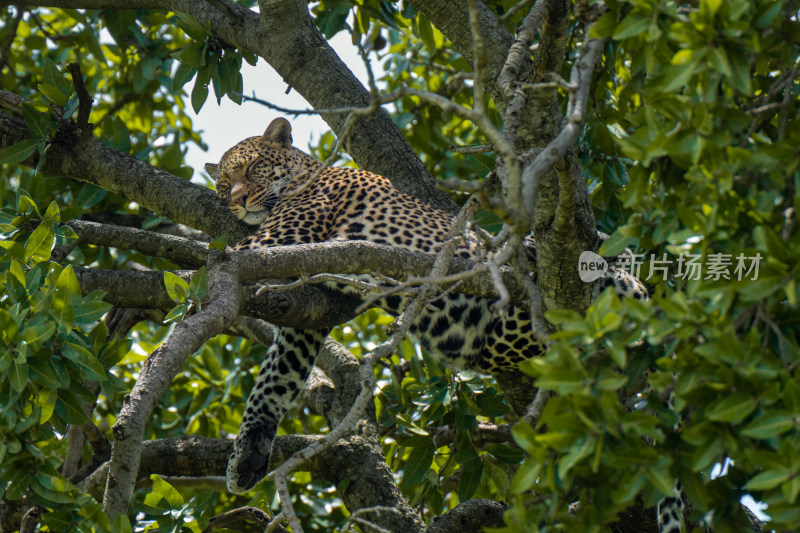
point(263, 180)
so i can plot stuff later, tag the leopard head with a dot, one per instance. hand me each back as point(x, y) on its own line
point(253, 175)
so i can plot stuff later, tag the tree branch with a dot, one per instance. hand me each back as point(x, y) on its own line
point(185, 252)
point(84, 98)
point(84, 158)
point(157, 373)
point(472, 516)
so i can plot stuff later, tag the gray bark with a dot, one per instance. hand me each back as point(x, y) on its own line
point(156, 374)
point(84, 158)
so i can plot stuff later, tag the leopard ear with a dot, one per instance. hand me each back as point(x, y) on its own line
point(211, 168)
point(278, 132)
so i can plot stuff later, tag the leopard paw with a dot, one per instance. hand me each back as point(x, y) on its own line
point(249, 462)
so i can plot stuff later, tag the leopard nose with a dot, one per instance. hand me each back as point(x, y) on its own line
point(238, 191)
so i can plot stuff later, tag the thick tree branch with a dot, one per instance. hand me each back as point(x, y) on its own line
point(472, 516)
point(157, 373)
point(558, 203)
point(185, 252)
point(311, 306)
point(346, 257)
point(84, 158)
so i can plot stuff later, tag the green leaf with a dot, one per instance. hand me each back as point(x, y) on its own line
point(72, 105)
point(69, 409)
point(426, 33)
point(53, 94)
point(38, 124)
point(9, 329)
point(740, 77)
point(768, 479)
point(177, 313)
point(705, 455)
point(790, 489)
point(504, 452)
point(182, 76)
point(176, 286)
point(191, 26)
point(52, 212)
point(770, 424)
point(90, 196)
point(733, 408)
point(18, 374)
point(419, 461)
point(682, 69)
point(41, 372)
point(53, 77)
point(615, 243)
point(122, 524)
point(87, 364)
point(660, 478)
point(470, 480)
point(791, 396)
point(18, 152)
point(167, 491)
point(228, 72)
point(25, 201)
point(37, 334)
point(604, 26)
point(220, 243)
point(526, 476)
point(47, 402)
point(40, 243)
point(90, 309)
point(580, 449)
point(525, 437)
point(199, 95)
point(198, 287)
point(68, 281)
point(634, 24)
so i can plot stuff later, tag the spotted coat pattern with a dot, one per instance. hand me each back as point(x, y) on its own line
point(264, 180)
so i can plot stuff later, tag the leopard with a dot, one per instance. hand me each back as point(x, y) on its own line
point(291, 198)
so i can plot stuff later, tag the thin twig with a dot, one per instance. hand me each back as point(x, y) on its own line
point(534, 411)
point(556, 82)
point(275, 524)
point(261, 518)
point(472, 149)
point(286, 502)
point(85, 100)
point(11, 34)
point(516, 8)
point(479, 56)
point(320, 278)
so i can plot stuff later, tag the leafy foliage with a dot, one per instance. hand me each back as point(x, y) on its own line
point(689, 150)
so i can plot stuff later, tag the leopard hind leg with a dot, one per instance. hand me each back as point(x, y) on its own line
point(280, 379)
